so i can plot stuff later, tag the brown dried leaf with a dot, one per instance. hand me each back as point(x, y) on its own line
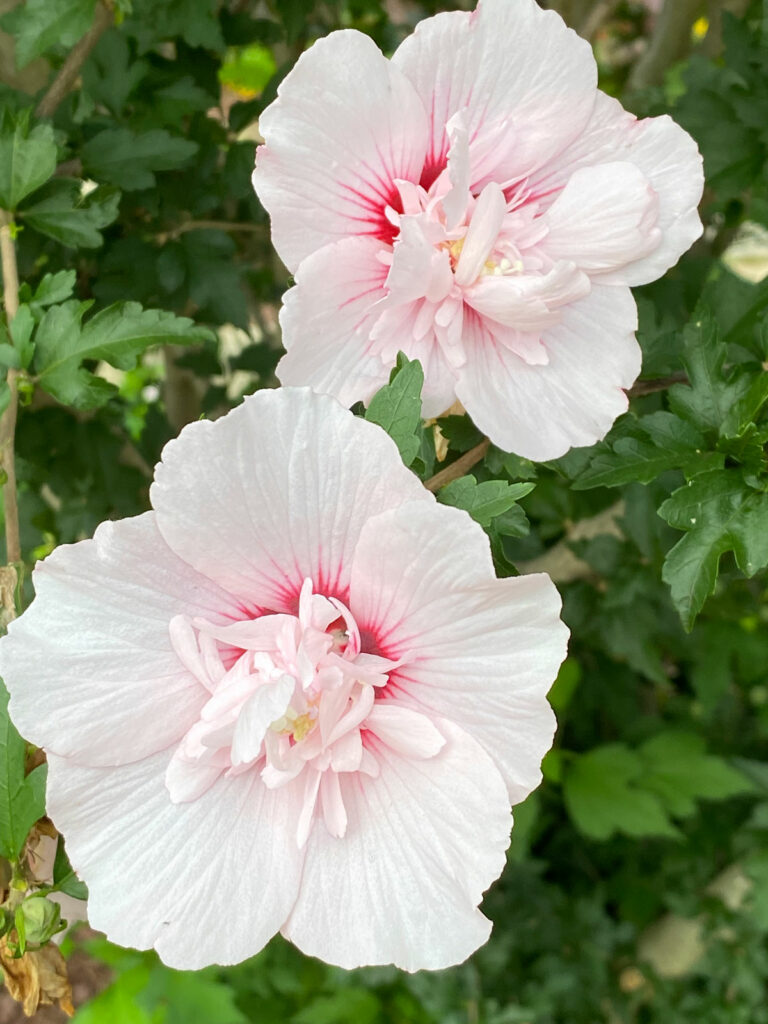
point(39, 978)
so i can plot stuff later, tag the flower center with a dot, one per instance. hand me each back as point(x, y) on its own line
point(289, 696)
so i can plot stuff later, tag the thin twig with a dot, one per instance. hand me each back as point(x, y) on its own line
point(70, 69)
point(206, 225)
point(8, 420)
point(458, 468)
point(650, 387)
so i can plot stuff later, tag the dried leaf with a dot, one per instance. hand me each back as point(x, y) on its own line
point(39, 978)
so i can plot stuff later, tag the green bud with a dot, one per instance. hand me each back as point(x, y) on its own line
point(26, 389)
point(41, 919)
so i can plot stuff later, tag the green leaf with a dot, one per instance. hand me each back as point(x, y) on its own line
point(711, 393)
point(191, 997)
point(680, 772)
point(639, 450)
point(129, 159)
point(746, 409)
point(64, 878)
point(62, 212)
point(720, 513)
point(602, 797)
point(22, 798)
point(21, 328)
point(27, 158)
point(117, 335)
point(347, 1006)
point(53, 288)
point(397, 407)
point(483, 501)
point(118, 1004)
point(38, 25)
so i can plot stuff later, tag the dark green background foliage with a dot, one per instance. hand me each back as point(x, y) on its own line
point(637, 884)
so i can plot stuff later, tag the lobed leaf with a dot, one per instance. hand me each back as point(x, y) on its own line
point(397, 407)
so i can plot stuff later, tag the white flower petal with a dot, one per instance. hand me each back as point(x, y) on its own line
point(264, 707)
point(90, 666)
point(424, 840)
point(404, 730)
point(204, 882)
point(506, 64)
point(669, 159)
point(327, 319)
point(540, 411)
point(604, 218)
point(277, 492)
point(346, 124)
point(477, 650)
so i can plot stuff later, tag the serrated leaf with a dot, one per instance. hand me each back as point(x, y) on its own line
point(22, 798)
point(706, 401)
point(54, 288)
point(602, 797)
point(484, 501)
point(62, 212)
point(27, 157)
point(637, 451)
point(720, 513)
point(38, 25)
point(680, 772)
point(397, 407)
point(117, 335)
point(745, 410)
point(129, 159)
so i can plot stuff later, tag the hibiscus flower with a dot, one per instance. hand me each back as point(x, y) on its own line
point(477, 203)
point(293, 696)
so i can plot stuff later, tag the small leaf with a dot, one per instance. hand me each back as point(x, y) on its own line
point(707, 400)
point(62, 212)
point(680, 772)
point(22, 798)
point(397, 407)
point(720, 513)
point(129, 159)
point(602, 797)
point(27, 157)
point(64, 878)
point(484, 501)
point(54, 288)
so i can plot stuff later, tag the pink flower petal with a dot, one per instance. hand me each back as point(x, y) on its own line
point(345, 126)
point(261, 516)
point(410, 854)
point(108, 600)
point(542, 411)
point(179, 876)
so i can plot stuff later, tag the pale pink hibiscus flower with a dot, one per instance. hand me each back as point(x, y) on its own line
point(292, 697)
point(477, 203)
